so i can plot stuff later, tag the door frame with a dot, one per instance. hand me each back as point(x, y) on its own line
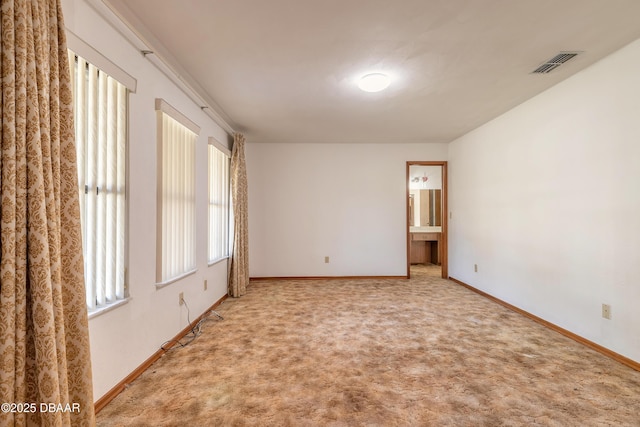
point(443, 243)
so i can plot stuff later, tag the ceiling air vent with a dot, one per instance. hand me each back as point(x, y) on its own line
point(555, 62)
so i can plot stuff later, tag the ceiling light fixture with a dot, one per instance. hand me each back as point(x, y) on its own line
point(374, 82)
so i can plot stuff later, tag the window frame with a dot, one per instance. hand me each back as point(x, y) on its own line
point(163, 108)
point(216, 145)
point(79, 50)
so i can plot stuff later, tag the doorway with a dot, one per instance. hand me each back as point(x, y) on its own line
point(427, 215)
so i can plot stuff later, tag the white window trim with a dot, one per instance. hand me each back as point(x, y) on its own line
point(222, 148)
point(161, 285)
point(107, 308)
point(85, 50)
point(218, 260)
point(163, 106)
point(79, 49)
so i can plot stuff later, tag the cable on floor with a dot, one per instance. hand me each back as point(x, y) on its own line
point(195, 331)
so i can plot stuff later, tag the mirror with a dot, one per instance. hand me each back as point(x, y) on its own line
point(426, 208)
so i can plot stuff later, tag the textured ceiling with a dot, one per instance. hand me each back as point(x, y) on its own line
point(286, 70)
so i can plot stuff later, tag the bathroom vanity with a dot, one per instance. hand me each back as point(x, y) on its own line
point(425, 245)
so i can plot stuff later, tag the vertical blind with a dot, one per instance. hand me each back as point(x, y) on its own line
point(218, 204)
point(100, 115)
point(177, 199)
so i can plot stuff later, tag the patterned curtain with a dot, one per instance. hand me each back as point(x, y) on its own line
point(45, 368)
point(239, 274)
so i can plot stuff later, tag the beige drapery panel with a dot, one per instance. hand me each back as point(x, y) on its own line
point(44, 340)
point(239, 274)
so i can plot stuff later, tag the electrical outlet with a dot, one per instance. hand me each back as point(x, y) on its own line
point(475, 267)
point(181, 298)
point(205, 284)
point(326, 260)
point(606, 311)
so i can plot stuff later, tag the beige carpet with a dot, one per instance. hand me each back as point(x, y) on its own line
point(423, 352)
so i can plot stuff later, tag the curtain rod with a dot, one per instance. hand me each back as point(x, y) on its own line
point(132, 36)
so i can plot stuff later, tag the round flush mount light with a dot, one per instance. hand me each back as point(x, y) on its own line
point(374, 82)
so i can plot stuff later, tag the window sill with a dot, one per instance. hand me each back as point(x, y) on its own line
point(219, 260)
point(104, 309)
point(175, 279)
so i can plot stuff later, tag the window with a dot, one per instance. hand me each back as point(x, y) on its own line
point(177, 136)
point(218, 202)
point(100, 115)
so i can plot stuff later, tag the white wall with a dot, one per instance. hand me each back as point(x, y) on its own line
point(345, 201)
point(124, 338)
point(433, 174)
point(546, 200)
